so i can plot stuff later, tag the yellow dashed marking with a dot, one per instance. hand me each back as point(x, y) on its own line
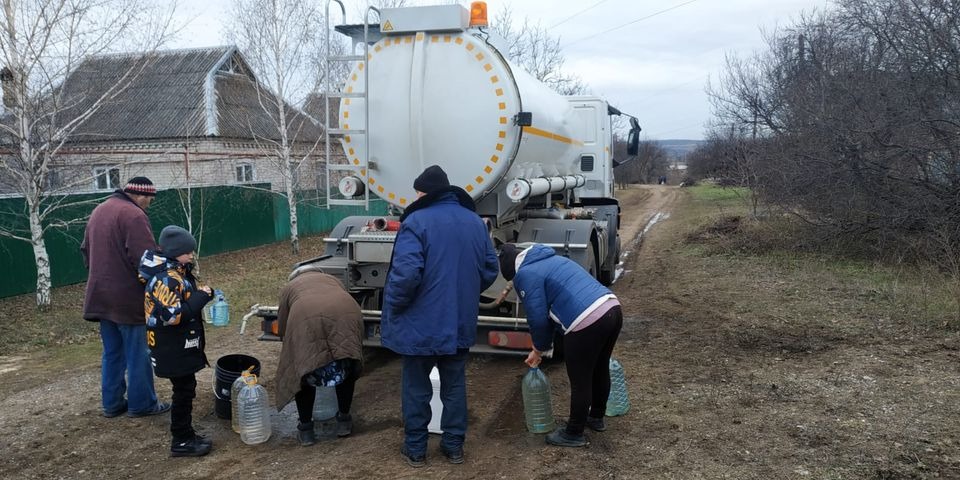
point(494, 159)
point(499, 147)
point(503, 120)
point(349, 89)
point(407, 39)
point(447, 38)
point(487, 169)
point(459, 41)
point(377, 48)
point(354, 77)
point(488, 67)
point(470, 47)
point(351, 151)
point(371, 181)
point(434, 39)
point(346, 101)
point(360, 66)
point(347, 138)
point(346, 114)
point(494, 79)
point(346, 127)
point(387, 43)
point(499, 92)
point(392, 195)
point(552, 136)
point(356, 161)
point(469, 188)
point(403, 201)
point(480, 57)
point(502, 134)
point(363, 171)
point(479, 179)
point(419, 36)
point(369, 56)
point(503, 106)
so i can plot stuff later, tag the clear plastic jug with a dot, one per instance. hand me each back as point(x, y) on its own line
point(537, 408)
point(220, 311)
point(253, 408)
point(618, 403)
point(234, 391)
point(325, 404)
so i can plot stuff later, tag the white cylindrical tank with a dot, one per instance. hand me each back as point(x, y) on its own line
point(450, 99)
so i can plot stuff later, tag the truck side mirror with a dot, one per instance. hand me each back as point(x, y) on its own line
point(633, 138)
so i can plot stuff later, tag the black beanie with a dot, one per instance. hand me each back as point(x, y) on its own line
point(431, 180)
point(175, 241)
point(140, 186)
point(508, 261)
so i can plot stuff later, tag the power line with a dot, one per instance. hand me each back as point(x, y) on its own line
point(630, 23)
point(576, 14)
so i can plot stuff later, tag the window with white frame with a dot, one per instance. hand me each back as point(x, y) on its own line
point(244, 173)
point(106, 178)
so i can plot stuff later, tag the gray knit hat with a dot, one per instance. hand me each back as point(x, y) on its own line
point(175, 241)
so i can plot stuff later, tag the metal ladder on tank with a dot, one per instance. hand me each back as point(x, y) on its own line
point(352, 31)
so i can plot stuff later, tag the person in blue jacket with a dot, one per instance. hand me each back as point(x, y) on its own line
point(559, 294)
point(443, 258)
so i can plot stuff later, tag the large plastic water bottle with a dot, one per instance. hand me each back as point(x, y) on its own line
point(537, 408)
point(325, 404)
point(253, 408)
point(618, 403)
point(234, 391)
point(220, 311)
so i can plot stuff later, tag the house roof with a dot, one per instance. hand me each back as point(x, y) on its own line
point(174, 94)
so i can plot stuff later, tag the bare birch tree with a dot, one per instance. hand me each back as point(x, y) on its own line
point(42, 42)
point(282, 40)
point(533, 48)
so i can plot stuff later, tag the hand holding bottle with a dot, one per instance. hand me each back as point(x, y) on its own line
point(534, 358)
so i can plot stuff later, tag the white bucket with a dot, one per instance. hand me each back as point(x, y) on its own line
point(436, 406)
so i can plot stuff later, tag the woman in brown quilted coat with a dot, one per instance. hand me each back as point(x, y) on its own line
point(322, 330)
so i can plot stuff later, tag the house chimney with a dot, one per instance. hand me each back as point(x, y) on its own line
point(9, 90)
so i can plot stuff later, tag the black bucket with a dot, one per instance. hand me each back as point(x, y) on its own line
point(228, 369)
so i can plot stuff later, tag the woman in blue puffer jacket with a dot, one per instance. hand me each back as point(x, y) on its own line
point(558, 293)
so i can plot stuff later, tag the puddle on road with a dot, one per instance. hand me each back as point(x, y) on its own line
point(635, 243)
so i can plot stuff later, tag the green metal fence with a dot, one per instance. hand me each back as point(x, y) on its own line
point(225, 218)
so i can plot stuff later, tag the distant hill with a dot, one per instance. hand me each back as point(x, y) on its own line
point(678, 148)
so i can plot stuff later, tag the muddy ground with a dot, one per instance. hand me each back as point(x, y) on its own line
point(713, 396)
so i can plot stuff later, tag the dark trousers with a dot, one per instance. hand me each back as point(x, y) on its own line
point(308, 394)
point(417, 392)
point(587, 355)
point(181, 409)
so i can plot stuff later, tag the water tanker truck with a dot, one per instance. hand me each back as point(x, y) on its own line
point(432, 86)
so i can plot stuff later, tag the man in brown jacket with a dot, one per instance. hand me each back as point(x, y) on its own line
point(115, 238)
point(322, 330)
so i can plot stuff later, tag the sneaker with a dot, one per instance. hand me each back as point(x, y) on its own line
point(117, 412)
point(344, 425)
point(561, 438)
point(305, 434)
point(454, 456)
point(161, 407)
point(596, 424)
point(414, 461)
point(197, 446)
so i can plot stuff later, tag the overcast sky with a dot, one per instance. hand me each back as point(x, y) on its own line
point(649, 58)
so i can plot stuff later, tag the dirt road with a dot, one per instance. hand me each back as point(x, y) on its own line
point(712, 397)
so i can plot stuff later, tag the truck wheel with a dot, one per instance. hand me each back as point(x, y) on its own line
point(557, 347)
point(591, 265)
